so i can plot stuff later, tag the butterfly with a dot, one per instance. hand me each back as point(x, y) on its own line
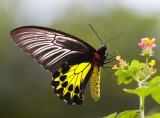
point(72, 61)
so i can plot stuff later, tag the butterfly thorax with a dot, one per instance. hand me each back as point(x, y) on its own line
point(100, 56)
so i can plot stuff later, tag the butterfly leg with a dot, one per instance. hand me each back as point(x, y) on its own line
point(109, 54)
point(111, 59)
point(104, 68)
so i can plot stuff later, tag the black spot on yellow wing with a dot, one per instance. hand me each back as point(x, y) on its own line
point(77, 89)
point(59, 91)
point(65, 84)
point(70, 88)
point(56, 74)
point(62, 77)
point(76, 100)
point(55, 83)
point(70, 80)
point(65, 69)
point(67, 97)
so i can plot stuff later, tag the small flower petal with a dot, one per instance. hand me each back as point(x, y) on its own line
point(153, 39)
point(114, 67)
point(118, 57)
point(152, 62)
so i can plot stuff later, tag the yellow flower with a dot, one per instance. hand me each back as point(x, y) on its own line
point(152, 62)
point(114, 67)
point(153, 40)
point(118, 57)
point(120, 62)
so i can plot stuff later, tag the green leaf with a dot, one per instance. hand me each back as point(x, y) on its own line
point(128, 80)
point(156, 96)
point(133, 66)
point(123, 77)
point(141, 65)
point(155, 87)
point(136, 66)
point(129, 114)
point(140, 74)
point(113, 115)
point(127, 76)
point(121, 73)
point(125, 80)
point(121, 80)
point(138, 91)
point(135, 63)
point(155, 80)
point(155, 116)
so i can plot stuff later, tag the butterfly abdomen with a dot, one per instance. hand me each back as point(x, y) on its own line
point(95, 83)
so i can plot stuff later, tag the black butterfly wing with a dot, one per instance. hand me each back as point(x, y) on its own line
point(49, 47)
point(56, 51)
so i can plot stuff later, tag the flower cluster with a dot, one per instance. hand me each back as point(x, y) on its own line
point(150, 67)
point(147, 45)
point(141, 73)
point(121, 62)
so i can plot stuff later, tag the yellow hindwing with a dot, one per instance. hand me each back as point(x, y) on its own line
point(67, 82)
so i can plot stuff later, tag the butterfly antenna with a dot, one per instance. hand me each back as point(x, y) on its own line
point(113, 38)
point(96, 33)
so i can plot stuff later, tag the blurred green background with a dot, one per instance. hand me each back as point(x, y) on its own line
point(25, 90)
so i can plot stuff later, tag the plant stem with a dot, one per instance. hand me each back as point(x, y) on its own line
point(141, 106)
point(142, 98)
point(147, 58)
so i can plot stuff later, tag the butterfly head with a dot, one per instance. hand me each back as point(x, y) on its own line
point(100, 56)
point(104, 47)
